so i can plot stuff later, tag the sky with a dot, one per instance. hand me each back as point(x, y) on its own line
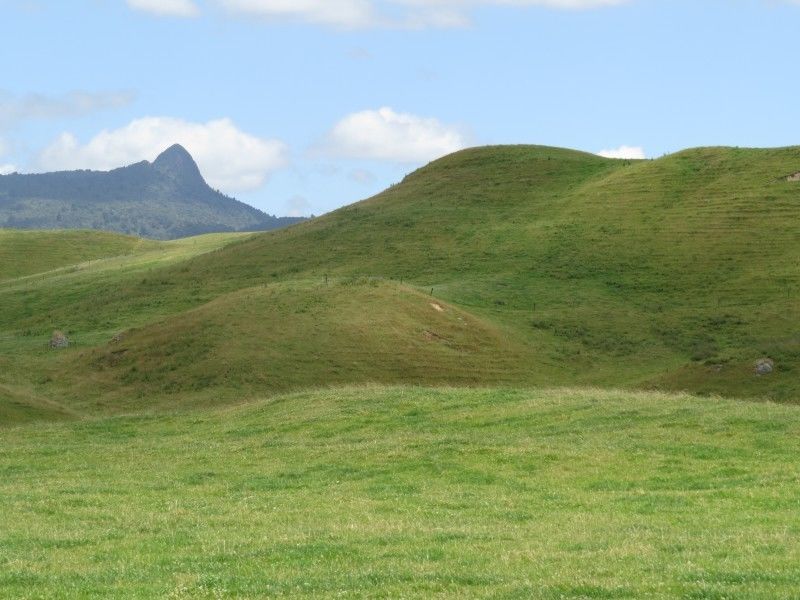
point(302, 106)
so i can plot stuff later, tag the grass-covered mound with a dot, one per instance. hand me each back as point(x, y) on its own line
point(293, 336)
point(117, 291)
point(406, 492)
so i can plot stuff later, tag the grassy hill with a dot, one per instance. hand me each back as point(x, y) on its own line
point(295, 336)
point(677, 273)
point(56, 280)
point(408, 492)
point(28, 252)
point(684, 265)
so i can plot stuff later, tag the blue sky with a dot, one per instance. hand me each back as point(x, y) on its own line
point(301, 106)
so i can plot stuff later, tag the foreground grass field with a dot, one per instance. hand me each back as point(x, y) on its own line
point(409, 493)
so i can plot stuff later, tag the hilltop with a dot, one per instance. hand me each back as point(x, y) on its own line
point(165, 199)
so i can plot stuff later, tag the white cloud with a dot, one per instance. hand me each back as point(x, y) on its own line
point(390, 13)
point(562, 4)
point(627, 152)
point(14, 109)
point(341, 13)
point(384, 134)
point(455, 13)
point(230, 159)
point(166, 8)
point(6, 169)
point(361, 14)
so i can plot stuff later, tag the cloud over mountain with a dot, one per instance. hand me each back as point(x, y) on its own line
point(231, 159)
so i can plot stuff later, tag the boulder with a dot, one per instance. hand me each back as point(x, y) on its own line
point(58, 340)
point(765, 366)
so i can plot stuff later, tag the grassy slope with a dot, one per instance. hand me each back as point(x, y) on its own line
point(53, 285)
point(680, 271)
point(549, 266)
point(27, 252)
point(403, 492)
point(19, 406)
point(677, 273)
point(295, 336)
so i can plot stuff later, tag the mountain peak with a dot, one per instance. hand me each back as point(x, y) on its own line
point(177, 162)
point(176, 150)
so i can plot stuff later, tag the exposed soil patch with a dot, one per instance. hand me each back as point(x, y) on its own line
point(437, 307)
point(795, 177)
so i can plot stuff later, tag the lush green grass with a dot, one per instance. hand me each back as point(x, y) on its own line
point(19, 406)
point(53, 286)
point(409, 493)
point(293, 336)
point(28, 252)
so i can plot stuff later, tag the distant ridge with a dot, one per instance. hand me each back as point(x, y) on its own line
point(165, 199)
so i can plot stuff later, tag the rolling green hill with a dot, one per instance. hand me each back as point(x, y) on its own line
point(52, 279)
point(685, 267)
point(295, 336)
point(677, 273)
